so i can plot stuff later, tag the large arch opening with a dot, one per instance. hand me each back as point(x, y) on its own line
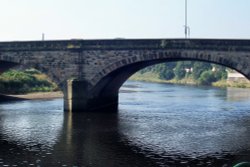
point(109, 85)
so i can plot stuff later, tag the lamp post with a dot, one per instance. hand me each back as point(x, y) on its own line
point(187, 29)
point(43, 36)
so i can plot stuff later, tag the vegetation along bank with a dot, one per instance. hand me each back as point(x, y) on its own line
point(192, 73)
point(17, 81)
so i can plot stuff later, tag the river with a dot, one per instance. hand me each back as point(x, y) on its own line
point(157, 125)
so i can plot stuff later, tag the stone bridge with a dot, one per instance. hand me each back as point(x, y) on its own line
point(90, 72)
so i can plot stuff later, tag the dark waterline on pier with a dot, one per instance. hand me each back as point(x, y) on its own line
point(157, 125)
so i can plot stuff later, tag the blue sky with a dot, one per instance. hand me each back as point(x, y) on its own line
point(101, 19)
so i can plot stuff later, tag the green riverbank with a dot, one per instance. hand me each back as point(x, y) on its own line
point(25, 81)
point(153, 77)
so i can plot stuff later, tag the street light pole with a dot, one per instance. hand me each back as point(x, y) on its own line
point(185, 18)
point(187, 29)
point(43, 36)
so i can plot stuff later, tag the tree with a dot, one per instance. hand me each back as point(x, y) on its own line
point(207, 77)
point(167, 72)
point(179, 71)
point(200, 67)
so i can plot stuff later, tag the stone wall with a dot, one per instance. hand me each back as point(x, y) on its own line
point(236, 77)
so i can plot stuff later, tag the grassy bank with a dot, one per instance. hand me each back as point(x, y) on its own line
point(224, 83)
point(153, 77)
point(27, 81)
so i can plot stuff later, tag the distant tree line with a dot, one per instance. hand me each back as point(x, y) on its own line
point(201, 72)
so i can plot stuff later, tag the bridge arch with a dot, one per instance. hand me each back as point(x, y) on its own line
point(10, 61)
point(8, 64)
point(114, 75)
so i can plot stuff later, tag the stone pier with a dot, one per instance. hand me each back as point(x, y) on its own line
point(78, 98)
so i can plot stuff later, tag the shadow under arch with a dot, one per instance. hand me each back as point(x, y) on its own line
point(4, 66)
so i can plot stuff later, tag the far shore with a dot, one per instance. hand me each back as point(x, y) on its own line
point(152, 77)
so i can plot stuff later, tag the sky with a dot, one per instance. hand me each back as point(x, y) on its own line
point(22, 20)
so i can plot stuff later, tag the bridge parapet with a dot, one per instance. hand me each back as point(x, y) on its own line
point(127, 44)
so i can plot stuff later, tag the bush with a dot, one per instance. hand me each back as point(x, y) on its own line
point(167, 74)
point(199, 68)
point(206, 78)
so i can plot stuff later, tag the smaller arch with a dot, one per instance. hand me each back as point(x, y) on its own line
point(28, 79)
point(16, 59)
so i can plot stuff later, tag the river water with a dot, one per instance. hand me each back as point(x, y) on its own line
point(157, 125)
